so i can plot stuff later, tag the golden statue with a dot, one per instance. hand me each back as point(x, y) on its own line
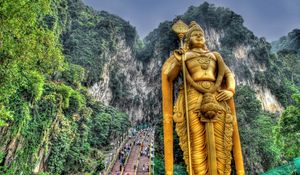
point(204, 112)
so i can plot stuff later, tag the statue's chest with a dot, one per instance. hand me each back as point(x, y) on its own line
point(203, 61)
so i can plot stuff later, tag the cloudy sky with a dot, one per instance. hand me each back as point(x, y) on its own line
point(266, 18)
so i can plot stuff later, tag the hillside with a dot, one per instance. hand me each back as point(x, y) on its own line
point(48, 121)
point(74, 79)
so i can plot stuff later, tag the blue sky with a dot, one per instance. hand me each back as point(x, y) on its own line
point(266, 18)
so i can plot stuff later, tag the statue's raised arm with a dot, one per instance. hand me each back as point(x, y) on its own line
point(204, 112)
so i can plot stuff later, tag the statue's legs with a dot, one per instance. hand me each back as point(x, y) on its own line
point(222, 132)
point(198, 145)
point(197, 131)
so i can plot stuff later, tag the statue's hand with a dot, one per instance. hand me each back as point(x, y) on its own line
point(178, 54)
point(224, 95)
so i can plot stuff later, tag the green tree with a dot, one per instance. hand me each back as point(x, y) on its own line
point(288, 131)
point(100, 129)
point(256, 132)
point(29, 51)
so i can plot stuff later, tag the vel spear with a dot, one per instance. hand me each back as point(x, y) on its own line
point(180, 28)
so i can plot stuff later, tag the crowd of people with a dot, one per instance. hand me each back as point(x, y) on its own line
point(145, 146)
point(123, 154)
point(142, 141)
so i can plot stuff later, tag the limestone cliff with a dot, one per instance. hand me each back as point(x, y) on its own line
point(139, 73)
point(65, 129)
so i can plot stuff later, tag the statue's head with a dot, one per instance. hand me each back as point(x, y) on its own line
point(195, 36)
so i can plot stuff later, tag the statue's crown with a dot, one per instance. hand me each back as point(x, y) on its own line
point(194, 26)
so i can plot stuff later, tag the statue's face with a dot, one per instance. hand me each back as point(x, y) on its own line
point(197, 39)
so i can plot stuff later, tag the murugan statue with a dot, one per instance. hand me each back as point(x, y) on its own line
point(204, 112)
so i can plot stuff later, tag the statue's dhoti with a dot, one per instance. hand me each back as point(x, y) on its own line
point(211, 129)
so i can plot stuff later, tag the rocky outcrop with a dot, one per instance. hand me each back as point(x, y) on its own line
point(139, 93)
point(122, 82)
point(291, 41)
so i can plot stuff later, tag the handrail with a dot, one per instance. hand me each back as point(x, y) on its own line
point(150, 147)
point(150, 161)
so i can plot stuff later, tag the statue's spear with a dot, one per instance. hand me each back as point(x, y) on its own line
point(180, 28)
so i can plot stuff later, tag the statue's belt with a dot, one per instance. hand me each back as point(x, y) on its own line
point(205, 84)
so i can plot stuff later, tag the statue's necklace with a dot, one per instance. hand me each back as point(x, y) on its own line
point(204, 62)
point(203, 59)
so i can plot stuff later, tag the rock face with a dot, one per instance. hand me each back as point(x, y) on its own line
point(122, 83)
point(139, 71)
point(106, 48)
point(128, 84)
point(268, 100)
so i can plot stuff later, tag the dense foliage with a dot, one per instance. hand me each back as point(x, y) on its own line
point(89, 36)
point(285, 64)
point(256, 132)
point(48, 122)
point(51, 51)
point(29, 52)
point(287, 49)
point(288, 130)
